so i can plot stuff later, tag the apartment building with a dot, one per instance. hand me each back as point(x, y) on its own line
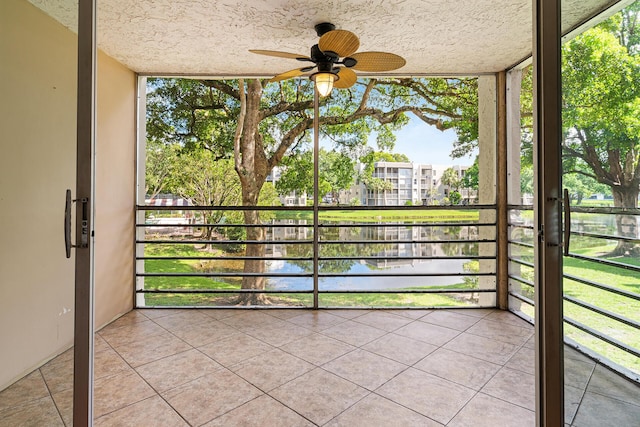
point(409, 183)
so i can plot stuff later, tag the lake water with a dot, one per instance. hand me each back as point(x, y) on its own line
point(380, 237)
point(382, 242)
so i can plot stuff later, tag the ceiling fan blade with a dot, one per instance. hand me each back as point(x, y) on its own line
point(288, 75)
point(280, 54)
point(378, 61)
point(342, 42)
point(347, 78)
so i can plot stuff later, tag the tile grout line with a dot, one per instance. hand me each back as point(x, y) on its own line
point(46, 384)
point(157, 393)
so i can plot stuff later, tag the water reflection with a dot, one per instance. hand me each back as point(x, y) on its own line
point(379, 248)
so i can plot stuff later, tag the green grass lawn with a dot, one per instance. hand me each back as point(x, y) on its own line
point(612, 276)
point(385, 215)
point(591, 203)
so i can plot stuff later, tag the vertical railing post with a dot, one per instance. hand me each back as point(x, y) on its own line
point(502, 212)
point(141, 110)
point(513, 165)
point(316, 199)
point(487, 131)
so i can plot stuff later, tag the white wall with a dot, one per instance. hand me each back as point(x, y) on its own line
point(37, 165)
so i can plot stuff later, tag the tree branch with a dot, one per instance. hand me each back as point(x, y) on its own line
point(222, 87)
point(240, 125)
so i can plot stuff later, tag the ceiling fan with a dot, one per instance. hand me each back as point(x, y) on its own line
point(334, 57)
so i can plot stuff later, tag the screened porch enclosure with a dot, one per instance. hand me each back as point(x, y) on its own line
point(508, 309)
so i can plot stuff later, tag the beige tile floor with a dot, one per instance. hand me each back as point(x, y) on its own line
point(323, 368)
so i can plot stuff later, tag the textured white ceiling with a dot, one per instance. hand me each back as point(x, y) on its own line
point(212, 37)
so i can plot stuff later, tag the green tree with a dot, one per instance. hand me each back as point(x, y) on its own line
point(455, 197)
point(470, 178)
point(470, 181)
point(159, 167)
point(581, 186)
point(601, 97)
point(205, 182)
point(601, 110)
point(526, 179)
point(258, 124)
point(336, 173)
point(451, 179)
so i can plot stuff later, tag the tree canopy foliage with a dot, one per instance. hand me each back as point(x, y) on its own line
point(601, 106)
point(258, 124)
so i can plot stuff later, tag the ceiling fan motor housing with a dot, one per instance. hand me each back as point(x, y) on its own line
point(323, 28)
point(319, 56)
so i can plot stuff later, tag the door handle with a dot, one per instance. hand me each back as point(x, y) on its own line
point(84, 232)
point(567, 222)
point(67, 224)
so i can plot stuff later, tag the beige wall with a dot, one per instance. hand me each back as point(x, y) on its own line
point(37, 165)
point(115, 190)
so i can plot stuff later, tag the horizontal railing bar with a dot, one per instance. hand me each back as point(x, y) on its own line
point(224, 258)
point(296, 242)
point(522, 298)
point(523, 316)
point(410, 224)
point(242, 274)
point(602, 311)
point(606, 236)
point(408, 208)
point(522, 280)
point(382, 242)
point(603, 287)
point(520, 207)
point(528, 227)
point(605, 262)
point(584, 209)
point(224, 208)
point(222, 291)
point(362, 225)
point(397, 307)
point(605, 210)
point(408, 291)
point(225, 307)
point(387, 258)
point(226, 225)
point(224, 242)
point(326, 291)
point(523, 244)
point(391, 274)
point(321, 208)
point(588, 210)
point(614, 342)
point(266, 258)
point(521, 262)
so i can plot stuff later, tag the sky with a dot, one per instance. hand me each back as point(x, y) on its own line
point(425, 144)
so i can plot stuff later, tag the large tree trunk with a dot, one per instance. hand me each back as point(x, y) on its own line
point(252, 167)
point(207, 232)
point(627, 225)
point(254, 250)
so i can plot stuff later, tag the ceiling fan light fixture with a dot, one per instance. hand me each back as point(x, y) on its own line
point(324, 82)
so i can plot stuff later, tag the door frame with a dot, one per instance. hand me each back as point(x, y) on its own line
point(85, 195)
point(547, 211)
